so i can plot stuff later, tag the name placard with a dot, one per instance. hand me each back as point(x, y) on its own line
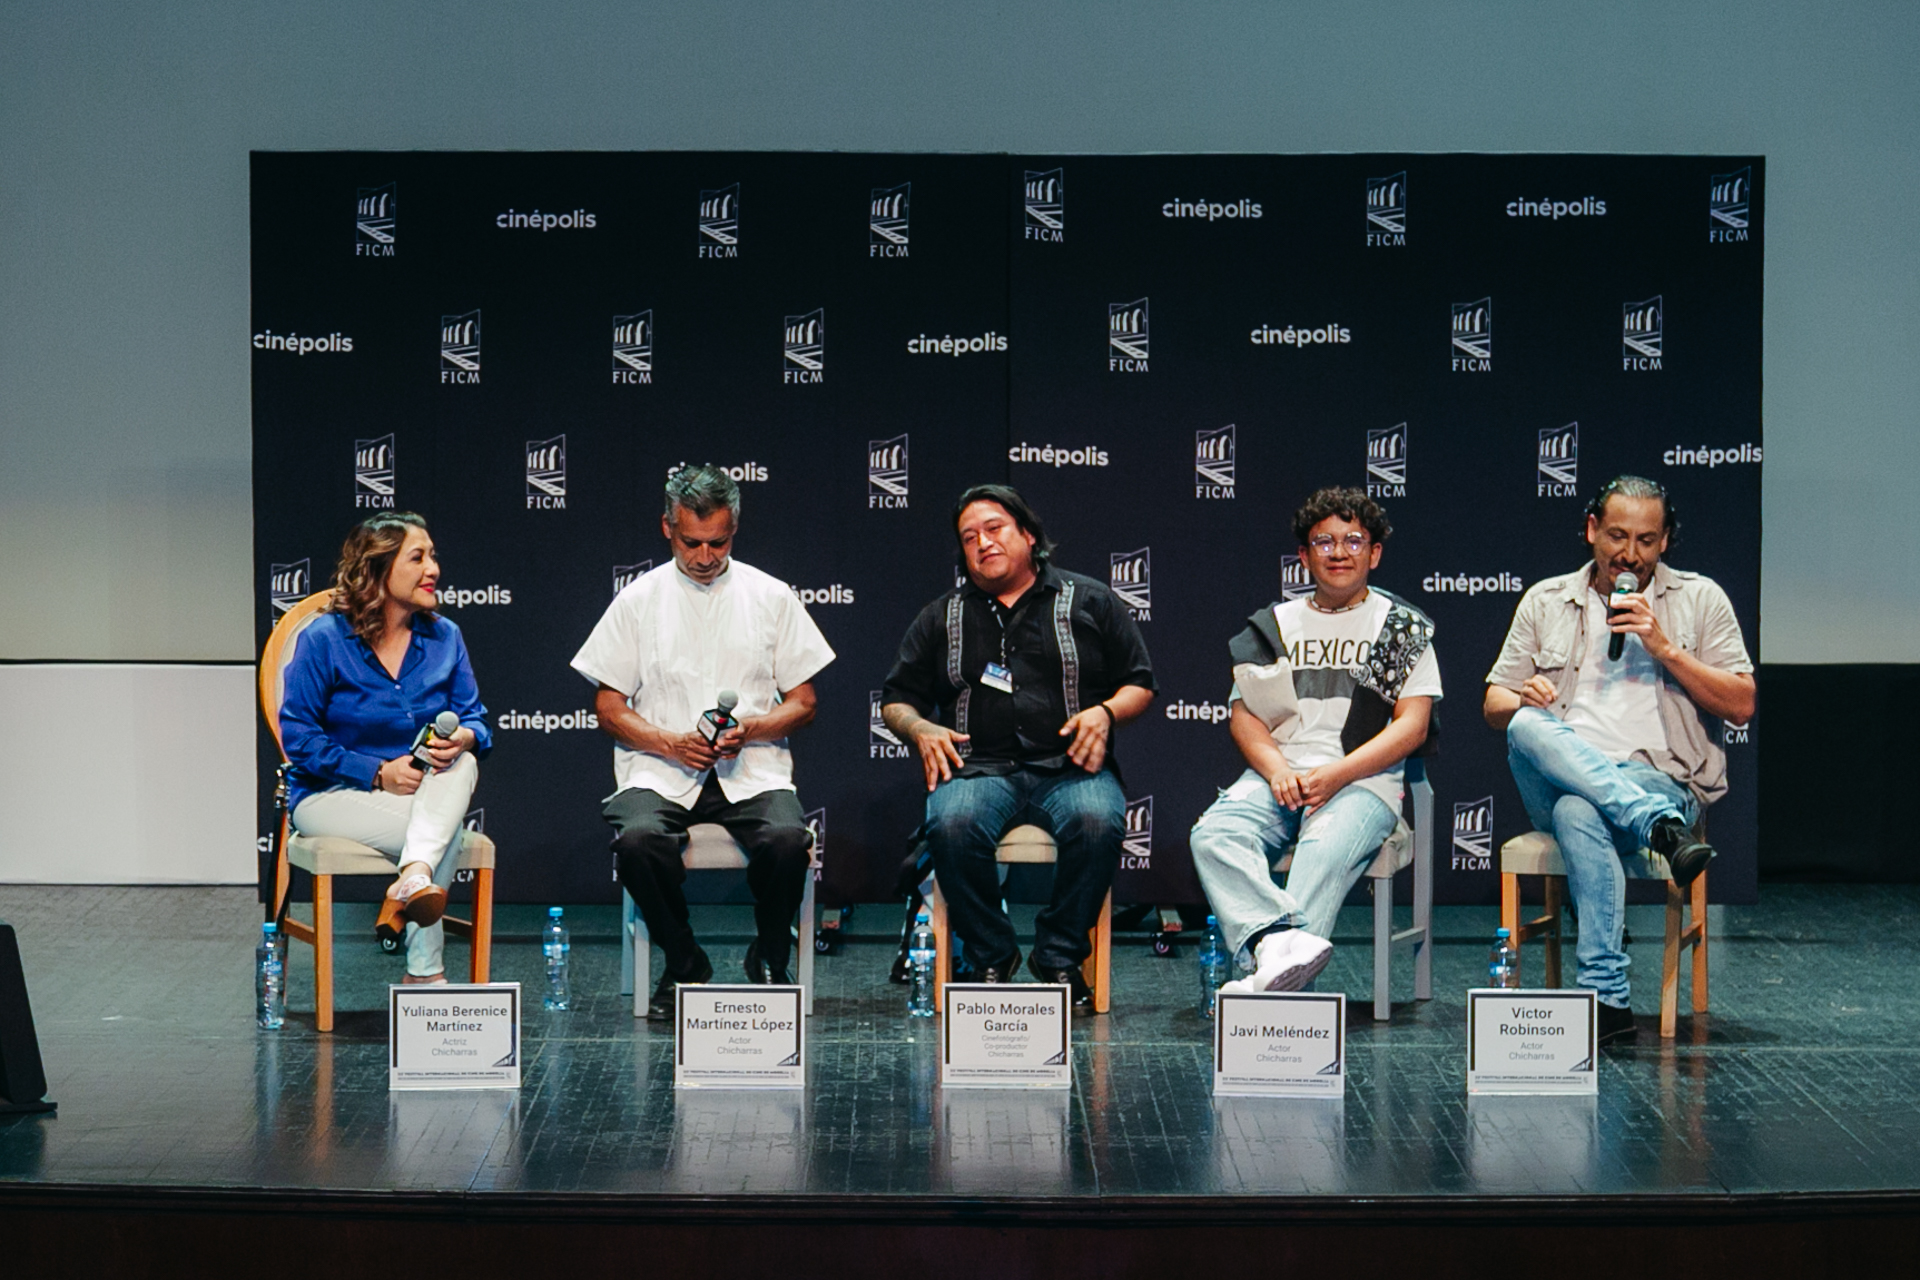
point(1532, 1041)
point(999, 1035)
point(740, 1037)
point(1285, 1044)
point(454, 1036)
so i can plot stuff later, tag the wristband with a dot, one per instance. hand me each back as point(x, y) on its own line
point(1112, 724)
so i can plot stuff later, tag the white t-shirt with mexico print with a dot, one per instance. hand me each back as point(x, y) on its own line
point(1328, 652)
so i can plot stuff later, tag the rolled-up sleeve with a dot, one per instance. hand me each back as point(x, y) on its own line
point(1515, 663)
point(1722, 646)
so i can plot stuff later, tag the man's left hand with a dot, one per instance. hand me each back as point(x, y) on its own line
point(444, 751)
point(1089, 746)
point(729, 743)
point(1317, 786)
point(1631, 614)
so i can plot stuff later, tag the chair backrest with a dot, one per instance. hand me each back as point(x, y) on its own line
point(282, 643)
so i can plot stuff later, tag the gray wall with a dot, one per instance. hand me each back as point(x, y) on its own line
point(124, 132)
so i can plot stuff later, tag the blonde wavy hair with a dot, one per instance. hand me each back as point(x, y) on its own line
point(360, 579)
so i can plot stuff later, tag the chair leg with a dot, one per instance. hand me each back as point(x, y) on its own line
point(1555, 893)
point(480, 954)
point(1101, 960)
point(1670, 963)
point(806, 943)
point(323, 952)
point(626, 945)
point(1423, 888)
point(1700, 944)
point(642, 964)
point(1510, 917)
point(1382, 950)
point(942, 945)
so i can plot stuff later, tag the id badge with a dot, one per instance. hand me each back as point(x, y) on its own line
point(997, 677)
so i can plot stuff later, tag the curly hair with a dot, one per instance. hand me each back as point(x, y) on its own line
point(1633, 487)
point(360, 579)
point(1348, 504)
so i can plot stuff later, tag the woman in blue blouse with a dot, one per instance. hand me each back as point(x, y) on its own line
point(367, 676)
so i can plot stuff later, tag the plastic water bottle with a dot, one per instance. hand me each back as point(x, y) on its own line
point(556, 946)
point(921, 954)
point(269, 979)
point(1503, 966)
point(1215, 967)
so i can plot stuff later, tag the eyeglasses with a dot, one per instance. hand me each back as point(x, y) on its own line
point(1323, 545)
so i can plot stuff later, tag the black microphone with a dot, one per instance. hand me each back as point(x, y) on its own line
point(444, 725)
point(717, 721)
point(1625, 584)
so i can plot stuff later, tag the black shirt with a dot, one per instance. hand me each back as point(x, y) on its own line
point(1021, 728)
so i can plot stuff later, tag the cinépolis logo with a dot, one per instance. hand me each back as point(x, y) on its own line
point(575, 220)
point(1044, 201)
point(1295, 582)
point(887, 214)
point(745, 473)
point(289, 584)
point(1559, 462)
point(805, 349)
point(948, 345)
point(547, 474)
point(1211, 210)
point(1053, 455)
point(625, 575)
point(838, 593)
point(1682, 455)
point(546, 721)
point(1136, 843)
point(1473, 336)
point(1130, 576)
point(1299, 335)
point(1642, 335)
point(1127, 336)
point(1472, 584)
point(465, 597)
point(882, 743)
point(1584, 207)
point(1204, 712)
point(1387, 462)
point(887, 474)
point(1213, 462)
point(296, 344)
point(720, 222)
point(1729, 206)
point(1387, 211)
point(460, 348)
point(1473, 835)
point(373, 473)
point(633, 349)
point(374, 217)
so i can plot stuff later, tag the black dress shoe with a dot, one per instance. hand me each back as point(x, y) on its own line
point(764, 973)
point(1686, 857)
point(1080, 995)
point(660, 1005)
point(1616, 1024)
point(1000, 973)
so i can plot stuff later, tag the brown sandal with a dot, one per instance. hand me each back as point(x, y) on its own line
point(424, 907)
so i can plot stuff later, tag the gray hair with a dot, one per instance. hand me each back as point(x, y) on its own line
point(702, 490)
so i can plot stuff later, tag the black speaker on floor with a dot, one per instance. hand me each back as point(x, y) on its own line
point(23, 1082)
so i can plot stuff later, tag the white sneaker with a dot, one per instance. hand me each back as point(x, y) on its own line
point(1289, 960)
point(1238, 987)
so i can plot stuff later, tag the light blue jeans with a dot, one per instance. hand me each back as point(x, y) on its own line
point(1240, 835)
point(1601, 814)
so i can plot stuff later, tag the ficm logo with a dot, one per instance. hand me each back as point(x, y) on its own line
point(1213, 462)
point(1559, 462)
point(461, 597)
point(624, 575)
point(720, 222)
point(1736, 735)
point(1130, 575)
point(289, 584)
point(1136, 846)
point(1471, 585)
point(1473, 336)
point(816, 824)
point(1728, 206)
point(546, 721)
point(1045, 202)
point(887, 474)
point(1642, 334)
point(1387, 462)
point(547, 474)
point(633, 349)
point(460, 348)
point(1473, 835)
point(475, 821)
point(1295, 582)
point(373, 473)
point(887, 221)
point(1387, 211)
point(1207, 712)
point(806, 348)
point(1127, 336)
point(882, 742)
point(373, 221)
point(1689, 456)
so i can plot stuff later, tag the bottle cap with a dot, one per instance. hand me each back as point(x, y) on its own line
point(922, 917)
point(1501, 933)
point(1211, 922)
point(553, 913)
point(269, 927)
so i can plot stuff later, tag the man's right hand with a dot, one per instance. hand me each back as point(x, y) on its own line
point(399, 777)
point(939, 758)
point(692, 751)
point(1538, 691)
point(1285, 785)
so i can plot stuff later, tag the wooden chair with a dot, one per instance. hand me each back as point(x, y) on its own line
point(1538, 853)
point(709, 848)
point(1028, 844)
point(324, 857)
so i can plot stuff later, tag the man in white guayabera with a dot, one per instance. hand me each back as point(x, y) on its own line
point(662, 654)
point(1599, 690)
point(1331, 694)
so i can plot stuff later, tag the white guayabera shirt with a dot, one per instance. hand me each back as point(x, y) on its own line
point(670, 645)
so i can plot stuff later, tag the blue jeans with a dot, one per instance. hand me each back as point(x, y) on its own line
point(1600, 813)
point(1087, 814)
point(1239, 836)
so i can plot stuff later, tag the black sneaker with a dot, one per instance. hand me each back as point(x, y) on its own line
point(998, 973)
point(1686, 857)
point(660, 1005)
point(765, 973)
point(1617, 1024)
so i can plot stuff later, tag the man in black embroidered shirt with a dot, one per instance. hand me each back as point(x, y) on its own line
point(1010, 687)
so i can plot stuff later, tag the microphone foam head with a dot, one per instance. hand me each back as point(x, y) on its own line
point(446, 724)
point(1626, 582)
point(728, 700)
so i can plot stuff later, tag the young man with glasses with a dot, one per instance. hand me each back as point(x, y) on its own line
point(1330, 695)
point(1599, 690)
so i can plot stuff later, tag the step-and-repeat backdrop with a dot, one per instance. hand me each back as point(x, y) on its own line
point(1166, 354)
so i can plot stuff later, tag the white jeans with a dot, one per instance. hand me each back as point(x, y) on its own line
point(423, 827)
